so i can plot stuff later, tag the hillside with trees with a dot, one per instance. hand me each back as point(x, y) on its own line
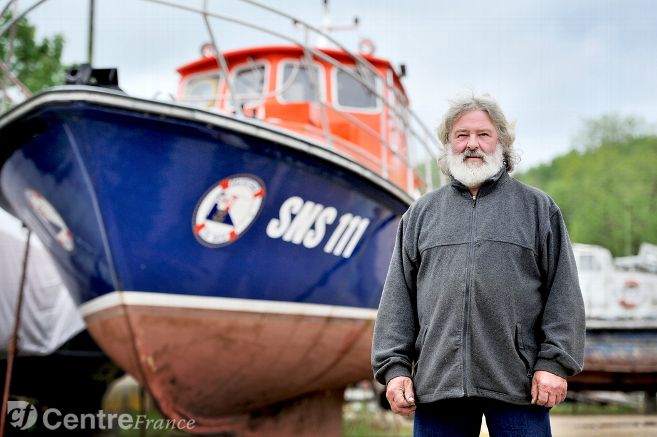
point(607, 186)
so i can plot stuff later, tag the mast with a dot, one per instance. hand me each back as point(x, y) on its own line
point(327, 26)
point(90, 34)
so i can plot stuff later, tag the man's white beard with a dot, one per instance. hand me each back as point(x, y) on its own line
point(470, 174)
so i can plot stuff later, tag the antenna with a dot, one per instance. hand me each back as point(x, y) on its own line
point(327, 27)
point(90, 35)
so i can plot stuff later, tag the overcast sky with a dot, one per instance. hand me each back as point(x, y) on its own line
point(550, 63)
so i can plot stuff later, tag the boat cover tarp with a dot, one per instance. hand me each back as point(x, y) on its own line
point(49, 315)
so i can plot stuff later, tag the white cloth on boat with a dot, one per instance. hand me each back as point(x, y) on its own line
point(49, 315)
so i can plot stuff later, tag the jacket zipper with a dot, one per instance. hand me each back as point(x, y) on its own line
point(519, 349)
point(530, 375)
point(466, 305)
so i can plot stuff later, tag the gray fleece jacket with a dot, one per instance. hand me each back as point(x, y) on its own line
point(481, 292)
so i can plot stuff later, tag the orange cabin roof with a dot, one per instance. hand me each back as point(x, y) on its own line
point(241, 55)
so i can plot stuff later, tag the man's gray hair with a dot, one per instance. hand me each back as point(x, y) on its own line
point(468, 103)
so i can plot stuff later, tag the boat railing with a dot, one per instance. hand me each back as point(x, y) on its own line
point(423, 137)
point(427, 140)
point(409, 124)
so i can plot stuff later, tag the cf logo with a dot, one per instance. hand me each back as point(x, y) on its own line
point(21, 414)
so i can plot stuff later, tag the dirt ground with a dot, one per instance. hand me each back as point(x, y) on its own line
point(600, 426)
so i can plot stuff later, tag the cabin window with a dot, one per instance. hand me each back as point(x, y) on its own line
point(249, 84)
point(398, 113)
point(587, 263)
point(400, 102)
point(298, 84)
point(354, 93)
point(202, 90)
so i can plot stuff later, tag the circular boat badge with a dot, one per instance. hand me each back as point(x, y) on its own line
point(227, 210)
point(50, 219)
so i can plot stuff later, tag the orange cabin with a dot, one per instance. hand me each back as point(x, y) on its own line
point(276, 84)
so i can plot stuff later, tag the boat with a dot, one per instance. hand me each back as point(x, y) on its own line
point(227, 249)
point(621, 319)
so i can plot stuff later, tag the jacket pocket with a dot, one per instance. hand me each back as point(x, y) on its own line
point(419, 341)
point(523, 350)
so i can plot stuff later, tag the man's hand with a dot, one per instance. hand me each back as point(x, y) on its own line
point(400, 395)
point(548, 389)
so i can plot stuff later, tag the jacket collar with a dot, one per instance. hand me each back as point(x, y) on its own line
point(487, 186)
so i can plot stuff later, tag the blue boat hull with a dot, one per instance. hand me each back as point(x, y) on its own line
point(225, 264)
point(128, 184)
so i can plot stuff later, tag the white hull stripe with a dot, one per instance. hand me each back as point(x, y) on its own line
point(140, 298)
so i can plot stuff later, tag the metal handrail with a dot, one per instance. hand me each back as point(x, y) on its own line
point(362, 62)
point(220, 57)
point(308, 62)
point(319, 54)
point(15, 19)
point(358, 123)
point(360, 59)
point(406, 118)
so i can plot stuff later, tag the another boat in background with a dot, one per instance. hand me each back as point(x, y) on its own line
point(620, 297)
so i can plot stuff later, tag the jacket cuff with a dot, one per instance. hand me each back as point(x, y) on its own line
point(551, 366)
point(397, 370)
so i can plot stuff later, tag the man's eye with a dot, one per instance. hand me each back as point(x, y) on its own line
point(484, 134)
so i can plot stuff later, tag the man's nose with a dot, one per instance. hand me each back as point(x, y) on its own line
point(472, 143)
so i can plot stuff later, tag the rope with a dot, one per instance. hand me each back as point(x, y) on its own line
point(12, 347)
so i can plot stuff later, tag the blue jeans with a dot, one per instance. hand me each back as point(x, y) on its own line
point(462, 418)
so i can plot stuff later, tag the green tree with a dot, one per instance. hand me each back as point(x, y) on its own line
point(35, 63)
point(611, 128)
point(607, 192)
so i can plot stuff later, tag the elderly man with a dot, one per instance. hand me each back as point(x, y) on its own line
point(481, 312)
